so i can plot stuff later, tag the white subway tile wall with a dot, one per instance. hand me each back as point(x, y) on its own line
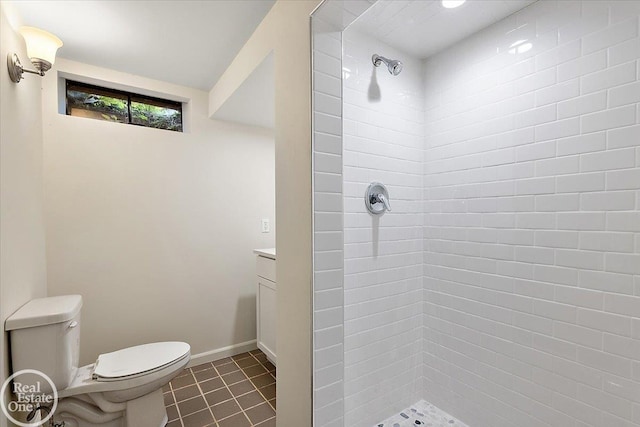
point(328, 22)
point(515, 184)
point(532, 222)
point(383, 142)
point(328, 255)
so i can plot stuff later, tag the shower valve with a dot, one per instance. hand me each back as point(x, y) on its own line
point(376, 199)
point(380, 198)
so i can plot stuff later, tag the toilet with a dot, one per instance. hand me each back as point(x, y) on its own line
point(121, 389)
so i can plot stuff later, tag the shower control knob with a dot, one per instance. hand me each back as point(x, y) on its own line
point(376, 199)
point(380, 198)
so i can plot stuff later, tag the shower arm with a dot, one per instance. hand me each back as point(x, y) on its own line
point(379, 60)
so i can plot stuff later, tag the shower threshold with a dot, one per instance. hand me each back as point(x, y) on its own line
point(421, 413)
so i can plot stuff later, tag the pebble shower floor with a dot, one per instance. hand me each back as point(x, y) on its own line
point(422, 413)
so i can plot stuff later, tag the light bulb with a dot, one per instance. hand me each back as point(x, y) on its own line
point(521, 46)
point(450, 4)
point(41, 45)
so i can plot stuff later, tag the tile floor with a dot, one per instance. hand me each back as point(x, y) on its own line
point(238, 391)
point(422, 413)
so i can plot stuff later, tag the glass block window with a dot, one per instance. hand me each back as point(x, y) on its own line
point(95, 102)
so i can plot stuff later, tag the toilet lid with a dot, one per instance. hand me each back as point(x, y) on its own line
point(139, 359)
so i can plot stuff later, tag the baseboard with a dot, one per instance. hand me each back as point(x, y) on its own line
point(221, 353)
point(267, 351)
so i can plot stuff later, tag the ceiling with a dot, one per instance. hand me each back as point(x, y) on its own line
point(188, 42)
point(422, 28)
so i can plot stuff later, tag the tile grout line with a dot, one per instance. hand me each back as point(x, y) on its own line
point(275, 380)
point(230, 392)
point(175, 401)
point(257, 389)
point(262, 422)
point(226, 387)
point(196, 383)
point(215, 421)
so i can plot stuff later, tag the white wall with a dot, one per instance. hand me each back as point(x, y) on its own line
point(532, 223)
point(383, 142)
point(286, 31)
point(155, 229)
point(22, 244)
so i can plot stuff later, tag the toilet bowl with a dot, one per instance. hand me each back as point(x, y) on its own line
point(121, 389)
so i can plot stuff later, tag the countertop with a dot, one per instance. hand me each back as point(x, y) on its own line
point(267, 253)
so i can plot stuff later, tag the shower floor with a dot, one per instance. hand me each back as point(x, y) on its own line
point(421, 413)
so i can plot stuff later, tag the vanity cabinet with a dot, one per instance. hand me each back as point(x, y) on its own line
point(266, 313)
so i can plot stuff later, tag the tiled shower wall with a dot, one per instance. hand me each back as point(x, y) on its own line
point(327, 23)
point(328, 260)
point(383, 141)
point(532, 220)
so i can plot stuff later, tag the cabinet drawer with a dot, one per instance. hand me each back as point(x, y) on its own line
point(266, 267)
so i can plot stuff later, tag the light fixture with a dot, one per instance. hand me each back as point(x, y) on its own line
point(521, 46)
point(41, 50)
point(450, 4)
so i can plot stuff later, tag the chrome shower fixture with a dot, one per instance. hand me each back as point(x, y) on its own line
point(393, 65)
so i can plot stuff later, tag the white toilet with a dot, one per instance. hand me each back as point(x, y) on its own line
point(121, 389)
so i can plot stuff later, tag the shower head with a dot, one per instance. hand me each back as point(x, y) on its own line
point(393, 65)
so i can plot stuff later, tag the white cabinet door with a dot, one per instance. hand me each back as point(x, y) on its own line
point(266, 314)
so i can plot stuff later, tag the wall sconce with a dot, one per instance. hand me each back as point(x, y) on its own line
point(41, 50)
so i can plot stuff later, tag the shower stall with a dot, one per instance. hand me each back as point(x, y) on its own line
point(476, 198)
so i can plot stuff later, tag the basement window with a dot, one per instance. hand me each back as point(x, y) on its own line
point(101, 103)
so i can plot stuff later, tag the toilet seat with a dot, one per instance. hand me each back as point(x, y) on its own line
point(138, 361)
point(84, 381)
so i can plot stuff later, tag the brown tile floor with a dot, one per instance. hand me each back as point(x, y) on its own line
point(238, 391)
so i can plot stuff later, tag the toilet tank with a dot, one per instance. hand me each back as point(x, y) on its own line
point(45, 335)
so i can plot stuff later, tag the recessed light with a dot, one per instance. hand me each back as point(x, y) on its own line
point(521, 46)
point(450, 4)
